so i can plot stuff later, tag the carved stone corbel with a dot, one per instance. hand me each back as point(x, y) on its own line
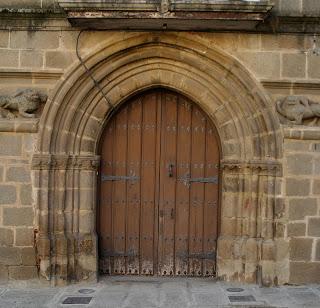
point(24, 103)
point(298, 110)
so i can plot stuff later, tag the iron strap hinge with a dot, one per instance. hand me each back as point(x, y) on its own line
point(119, 178)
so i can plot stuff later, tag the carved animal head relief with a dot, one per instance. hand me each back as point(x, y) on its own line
point(298, 110)
point(25, 103)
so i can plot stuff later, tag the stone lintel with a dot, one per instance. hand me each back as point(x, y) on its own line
point(65, 162)
point(300, 132)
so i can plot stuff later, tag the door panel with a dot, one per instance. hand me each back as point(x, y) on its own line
point(159, 192)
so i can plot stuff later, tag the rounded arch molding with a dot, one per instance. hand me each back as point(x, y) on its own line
point(66, 162)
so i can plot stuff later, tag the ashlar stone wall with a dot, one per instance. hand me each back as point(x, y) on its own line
point(284, 64)
point(17, 253)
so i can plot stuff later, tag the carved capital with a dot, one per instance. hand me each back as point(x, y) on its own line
point(65, 162)
point(261, 167)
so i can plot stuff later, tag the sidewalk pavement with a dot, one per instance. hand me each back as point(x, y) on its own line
point(144, 292)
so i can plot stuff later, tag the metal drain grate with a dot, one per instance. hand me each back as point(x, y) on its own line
point(241, 298)
point(77, 300)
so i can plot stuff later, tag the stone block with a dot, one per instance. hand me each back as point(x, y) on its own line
point(300, 249)
point(296, 229)
point(297, 187)
point(262, 64)
point(18, 216)
point(10, 143)
point(9, 58)
point(290, 7)
point(249, 41)
point(294, 65)
point(30, 4)
point(314, 226)
point(318, 250)
point(8, 194)
point(23, 272)
point(297, 145)
point(59, 59)
point(311, 7)
point(300, 208)
point(300, 164)
point(26, 195)
point(316, 187)
point(18, 174)
point(30, 58)
point(10, 256)
point(279, 207)
point(28, 256)
point(304, 272)
point(4, 38)
point(313, 66)
point(3, 274)
point(1, 173)
point(6, 237)
point(280, 41)
point(24, 236)
point(69, 39)
point(34, 39)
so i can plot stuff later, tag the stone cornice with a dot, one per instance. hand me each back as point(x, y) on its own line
point(65, 162)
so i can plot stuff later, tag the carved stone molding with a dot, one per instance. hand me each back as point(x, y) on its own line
point(262, 167)
point(65, 162)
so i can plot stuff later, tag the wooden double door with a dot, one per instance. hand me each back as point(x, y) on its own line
point(158, 206)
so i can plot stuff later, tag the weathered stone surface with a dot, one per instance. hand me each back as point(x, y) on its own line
point(300, 249)
point(1, 173)
point(311, 7)
point(300, 164)
point(297, 146)
point(4, 38)
point(18, 216)
point(23, 272)
point(263, 64)
point(8, 194)
point(294, 65)
point(300, 208)
point(9, 58)
point(314, 226)
point(26, 195)
point(28, 256)
point(297, 187)
point(30, 58)
point(59, 59)
point(296, 229)
point(34, 39)
point(316, 187)
point(6, 237)
point(291, 7)
point(10, 256)
point(18, 174)
point(313, 66)
point(4, 274)
point(24, 237)
point(300, 270)
point(318, 250)
point(12, 144)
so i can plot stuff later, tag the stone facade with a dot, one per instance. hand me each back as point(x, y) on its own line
point(270, 210)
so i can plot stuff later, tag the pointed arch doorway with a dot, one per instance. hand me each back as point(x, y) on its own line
point(158, 205)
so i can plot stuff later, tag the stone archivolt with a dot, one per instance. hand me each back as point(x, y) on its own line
point(75, 116)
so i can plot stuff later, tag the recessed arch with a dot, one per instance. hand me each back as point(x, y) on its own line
point(75, 116)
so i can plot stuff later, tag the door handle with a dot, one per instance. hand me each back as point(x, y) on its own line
point(172, 213)
point(170, 170)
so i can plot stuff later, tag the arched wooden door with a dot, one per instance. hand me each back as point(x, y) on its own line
point(158, 205)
